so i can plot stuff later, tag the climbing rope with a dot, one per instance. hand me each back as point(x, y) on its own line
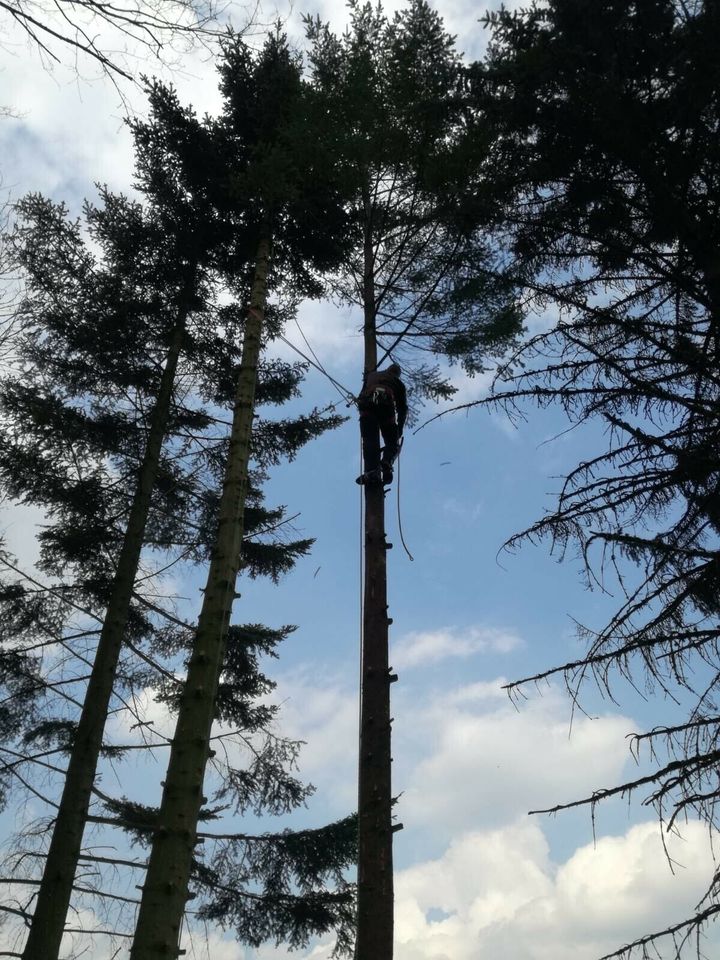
point(399, 518)
point(343, 391)
point(346, 394)
point(362, 610)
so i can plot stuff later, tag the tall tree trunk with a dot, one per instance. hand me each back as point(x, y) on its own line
point(165, 891)
point(53, 901)
point(374, 939)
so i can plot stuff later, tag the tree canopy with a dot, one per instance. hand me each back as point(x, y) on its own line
point(604, 119)
point(110, 325)
point(575, 171)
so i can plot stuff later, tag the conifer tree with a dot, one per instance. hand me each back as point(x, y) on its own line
point(93, 336)
point(142, 334)
point(604, 119)
point(426, 279)
point(269, 150)
point(83, 413)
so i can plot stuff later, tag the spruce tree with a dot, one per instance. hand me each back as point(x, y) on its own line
point(426, 279)
point(269, 149)
point(145, 339)
point(604, 119)
point(93, 334)
point(65, 424)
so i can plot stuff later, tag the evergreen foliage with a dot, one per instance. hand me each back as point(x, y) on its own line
point(428, 270)
point(97, 319)
point(264, 150)
point(604, 117)
point(289, 868)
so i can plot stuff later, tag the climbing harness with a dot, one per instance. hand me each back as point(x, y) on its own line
point(382, 395)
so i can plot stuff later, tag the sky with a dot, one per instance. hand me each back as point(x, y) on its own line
point(476, 876)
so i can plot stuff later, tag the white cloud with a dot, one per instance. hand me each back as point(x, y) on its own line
point(497, 893)
point(472, 390)
point(469, 759)
point(332, 331)
point(208, 945)
point(469, 388)
point(64, 140)
point(433, 646)
point(68, 131)
point(158, 723)
point(465, 757)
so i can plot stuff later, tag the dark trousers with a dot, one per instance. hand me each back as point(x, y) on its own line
point(377, 419)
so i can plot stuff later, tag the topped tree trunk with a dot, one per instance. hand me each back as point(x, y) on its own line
point(424, 275)
point(375, 864)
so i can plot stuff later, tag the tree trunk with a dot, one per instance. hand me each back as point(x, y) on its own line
point(374, 940)
point(53, 901)
point(165, 891)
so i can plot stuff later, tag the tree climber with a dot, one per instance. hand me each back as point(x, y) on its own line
point(383, 408)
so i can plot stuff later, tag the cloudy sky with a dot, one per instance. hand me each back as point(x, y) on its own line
point(476, 876)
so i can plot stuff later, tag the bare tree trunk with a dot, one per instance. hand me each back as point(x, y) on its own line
point(53, 900)
point(165, 891)
point(374, 939)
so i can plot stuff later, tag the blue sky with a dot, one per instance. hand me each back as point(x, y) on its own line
point(476, 876)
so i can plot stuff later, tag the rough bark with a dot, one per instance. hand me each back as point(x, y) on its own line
point(53, 900)
point(165, 891)
point(374, 939)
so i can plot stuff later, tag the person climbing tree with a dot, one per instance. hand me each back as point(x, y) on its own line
point(383, 408)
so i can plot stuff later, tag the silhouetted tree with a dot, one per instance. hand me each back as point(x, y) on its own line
point(259, 167)
point(429, 284)
point(83, 404)
point(604, 120)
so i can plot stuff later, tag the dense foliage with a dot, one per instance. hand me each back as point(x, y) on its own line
point(133, 303)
